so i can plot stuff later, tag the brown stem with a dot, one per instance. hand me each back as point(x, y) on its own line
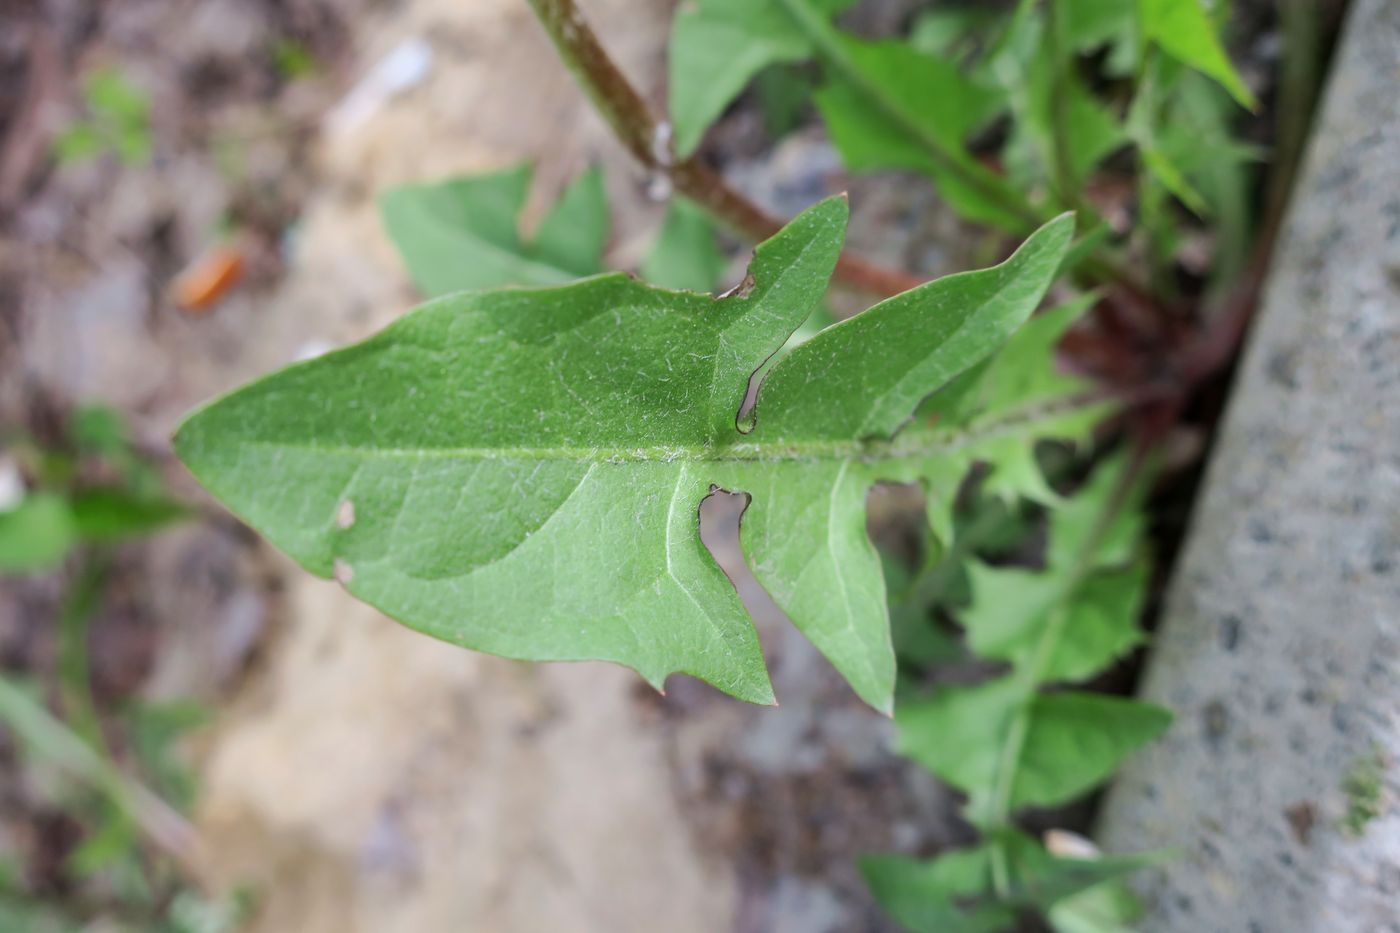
point(637, 127)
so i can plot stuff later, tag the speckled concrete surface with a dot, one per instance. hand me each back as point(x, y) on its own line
point(1280, 647)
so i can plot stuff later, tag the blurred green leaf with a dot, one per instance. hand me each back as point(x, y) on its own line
point(1045, 91)
point(685, 255)
point(952, 32)
point(1091, 24)
point(1110, 907)
point(155, 731)
point(716, 49)
point(949, 894)
point(1025, 377)
point(292, 59)
point(463, 234)
point(109, 514)
point(1072, 741)
point(37, 534)
point(887, 104)
point(953, 893)
point(574, 233)
point(109, 93)
point(99, 430)
point(118, 119)
point(1184, 31)
point(783, 94)
point(77, 143)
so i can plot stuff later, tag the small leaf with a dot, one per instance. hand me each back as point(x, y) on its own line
point(1043, 880)
point(887, 93)
point(958, 733)
point(716, 49)
point(1091, 132)
point(37, 534)
point(1090, 24)
point(943, 31)
point(685, 256)
point(948, 894)
point(1110, 907)
point(954, 891)
point(109, 514)
point(1076, 740)
point(1073, 741)
point(1025, 392)
point(1095, 598)
point(463, 234)
point(1101, 625)
point(77, 143)
point(110, 95)
point(1173, 179)
point(574, 233)
point(1183, 30)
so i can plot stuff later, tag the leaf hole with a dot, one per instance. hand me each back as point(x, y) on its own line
point(721, 516)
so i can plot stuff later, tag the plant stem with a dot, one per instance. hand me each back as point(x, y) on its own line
point(648, 140)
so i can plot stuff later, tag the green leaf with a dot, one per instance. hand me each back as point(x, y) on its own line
point(685, 256)
point(1194, 138)
point(1005, 743)
point(520, 471)
point(109, 94)
point(954, 892)
point(77, 143)
point(109, 514)
point(1110, 907)
point(37, 534)
point(1165, 170)
point(1088, 590)
point(1091, 132)
point(783, 93)
point(887, 103)
point(1025, 392)
point(716, 49)
point(958, 734)
point(1072, 742)
point(944, 31)
point(1184, 31)
point(1076, 741)
point(948, 894)
point(853, 380)
point(463, 234)
point(574, 233)
point(1090, 24)
point(100, 430)
point(292, 58)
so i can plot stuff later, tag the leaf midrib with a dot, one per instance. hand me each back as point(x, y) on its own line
point(911, 443)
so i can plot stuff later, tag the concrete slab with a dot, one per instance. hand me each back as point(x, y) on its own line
point(1280, 647)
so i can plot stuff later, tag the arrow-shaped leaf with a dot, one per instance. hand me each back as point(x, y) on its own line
point(520, 471)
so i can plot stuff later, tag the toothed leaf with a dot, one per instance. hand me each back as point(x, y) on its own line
point(520, 471)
